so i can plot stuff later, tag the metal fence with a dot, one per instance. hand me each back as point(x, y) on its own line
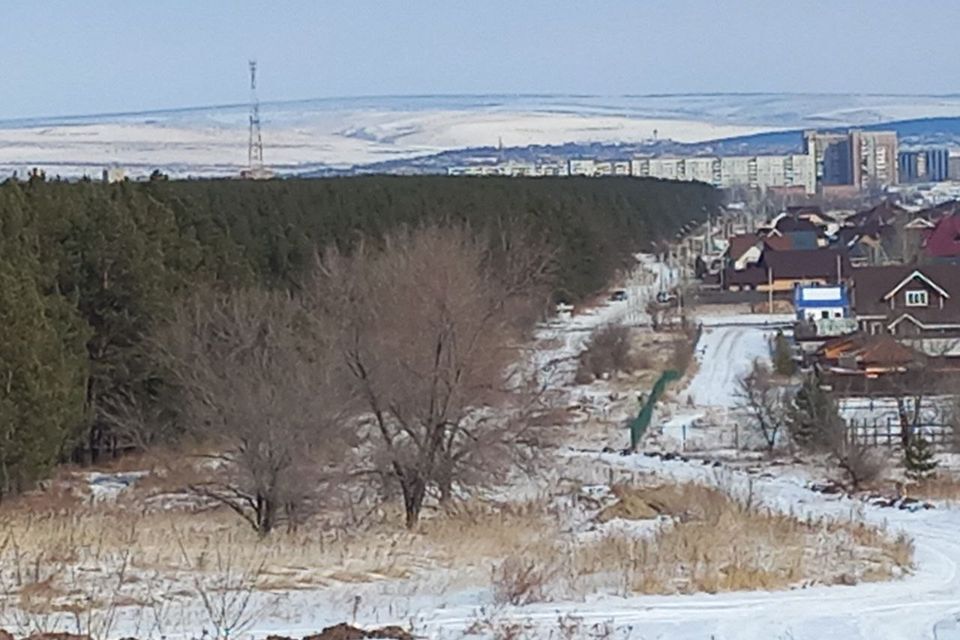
point(887, 433)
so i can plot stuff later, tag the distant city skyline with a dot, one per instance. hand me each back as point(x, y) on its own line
point(67, 58)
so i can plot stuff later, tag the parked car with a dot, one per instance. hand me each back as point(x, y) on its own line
point(618, 296)
point(664, 297)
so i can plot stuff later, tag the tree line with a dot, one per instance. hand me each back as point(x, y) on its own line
point(99, 285)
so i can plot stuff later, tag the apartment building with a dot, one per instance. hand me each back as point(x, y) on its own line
point(831, 152)
point(758, 172)
point(864, 159)
point(512, 169)
point(593, 168)
point(874, 158)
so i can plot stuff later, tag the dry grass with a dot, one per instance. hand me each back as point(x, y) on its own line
point(716, 542)
point(57, 558)
point(54, 559)
point(944, 486)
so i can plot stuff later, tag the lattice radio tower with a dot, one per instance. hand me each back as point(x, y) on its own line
point(255, 149)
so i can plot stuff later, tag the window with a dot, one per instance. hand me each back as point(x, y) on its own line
point(875, 328)
point(917, 298)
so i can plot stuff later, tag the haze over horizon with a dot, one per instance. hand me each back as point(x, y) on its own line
point(99, 57)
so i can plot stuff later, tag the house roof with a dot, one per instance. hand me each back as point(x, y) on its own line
point(943, 241)
point(933, 214)
point(778, 243)
point(916, 274)
point(801, 264)
point(803, 239)
point(882, 215)
point(816, 264)
point(881, 350)
point(792, 240)
point(871, 286)
point(797, 210)
point(740, 244)
point(787, 224)
point(810, 212)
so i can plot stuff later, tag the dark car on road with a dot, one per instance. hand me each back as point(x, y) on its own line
point(618, 296)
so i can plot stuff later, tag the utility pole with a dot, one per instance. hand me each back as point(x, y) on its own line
point(255, 147)
point(770, 289)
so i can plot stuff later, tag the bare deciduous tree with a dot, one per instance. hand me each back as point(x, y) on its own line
point(763, 401)
point(429, 330)
point(260, 392)
point(919, 389)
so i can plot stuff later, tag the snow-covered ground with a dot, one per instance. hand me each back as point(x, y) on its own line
point(724, 354)
point(560, 341)
point(912, 607)
point(921, 605)
point(308, 134)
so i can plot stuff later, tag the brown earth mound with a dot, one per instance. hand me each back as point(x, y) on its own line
point(340, 631)
point(686, 502)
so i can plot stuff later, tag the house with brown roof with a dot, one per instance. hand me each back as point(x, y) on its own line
point(884, 214)
point(744, 249)
point(871, 356)
point(917, 304)
point(781, 271)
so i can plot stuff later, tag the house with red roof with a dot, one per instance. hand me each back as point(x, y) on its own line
point(942, 242)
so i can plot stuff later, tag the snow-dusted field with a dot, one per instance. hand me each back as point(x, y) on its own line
point(437, 604)
point(309, 134)
point(912, 607)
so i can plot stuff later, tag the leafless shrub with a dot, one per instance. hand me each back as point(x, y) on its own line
point(608, 351)
point(227, 589)
point(261, 392)
point(860, 463)
point(518, 581)
point(428, 332)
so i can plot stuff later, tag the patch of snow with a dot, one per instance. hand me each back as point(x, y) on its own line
point(724, 354)
point(108, 486)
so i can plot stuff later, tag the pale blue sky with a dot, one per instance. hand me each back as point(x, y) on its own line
point(89, 56)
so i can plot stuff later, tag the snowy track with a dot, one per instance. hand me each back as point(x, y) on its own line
point(724, 353)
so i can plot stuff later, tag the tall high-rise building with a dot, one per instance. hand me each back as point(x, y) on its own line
point(862, 158)
point(873, 158)
point(831, 152)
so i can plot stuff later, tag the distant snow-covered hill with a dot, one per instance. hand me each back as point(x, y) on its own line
point(317, 134)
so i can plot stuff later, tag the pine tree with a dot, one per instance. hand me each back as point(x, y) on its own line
point(782, 356)
point(918, 458)
point(42, 378)
point(813, 420)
